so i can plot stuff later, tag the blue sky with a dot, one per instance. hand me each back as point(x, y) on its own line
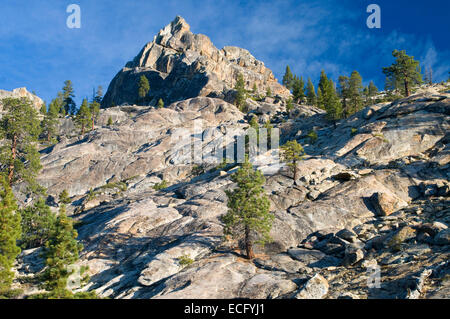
point(38, 51)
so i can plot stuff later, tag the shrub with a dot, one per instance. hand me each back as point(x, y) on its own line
point(185, 260)
point(160, 186)
point(312, 135)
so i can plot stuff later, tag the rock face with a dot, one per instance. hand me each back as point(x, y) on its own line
point(21, 92)
point(181, 65)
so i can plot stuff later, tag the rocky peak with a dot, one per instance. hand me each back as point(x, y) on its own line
point(180, 64)
point(21, 92)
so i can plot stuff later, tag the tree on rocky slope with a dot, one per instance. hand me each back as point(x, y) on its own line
point(160, 104)
point(10, 232)
point(298, 89)
point(49, 124)
point(68, 96)
point(292, 153)
point(20, 129)
point(83, 116)
point(61, 251)
point(355, 88)
point(248, 216)
point(37, 224)
point(405, 71)
point(143, 87)
point(311, 97)
point(241, 94)
point(64, 197)
point(94, 108)
point(288, 78)
point(328, 98)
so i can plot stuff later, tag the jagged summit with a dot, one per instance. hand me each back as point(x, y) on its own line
point(181, 65)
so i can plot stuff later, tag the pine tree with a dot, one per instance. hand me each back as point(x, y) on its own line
point(20, 129)
point(268, 92)
point(405, 70)
point(311, 97)
point(298, 90)
point(332, 103)
point(160, 104)
point(328, 99)
point(10, 232)
point(94, 109)
point(373, 90)
point(49, 124)
point(355, 88)
point(241, 94)
point(98, 96)
point(292, 153)
point(67, 98)
point(61, 251)
point(110, 121)
point(288, 78)
point(248, 215)
point(43, 109)
point(255, 89)
point(64, 197)
point(289, 105)
point(343, 91)
point(83, 116)
point(37, 224)
point(143, 87)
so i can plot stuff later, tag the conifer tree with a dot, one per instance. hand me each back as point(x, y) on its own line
point(37, 224)
point(268, 92)
point(67, 98)
point(83, 117)
point(43, 109)
point(373, 90)
point(355, 88)
point(289, 105)
point(160, 104)
point(343, 91)
point(98, 96)
point(288, 78)
point(10, 232)
point(255, 89)
point(20, 129)
point(241, 94)
point(110, 121)
point(94, 109)
point(298, 90)
point(292, 153)
point(64, 197)
point(328, 99)
point(405, 71)
point(61, 251)
point(248, 217)
point(311, 93)
point(49, 124)
point(143, 87)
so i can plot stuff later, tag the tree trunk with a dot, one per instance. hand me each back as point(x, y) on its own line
point(82, 129)
point(248, 244)
point(13, 159)
point(406, 88)
point(93, 120)
point(295, 171)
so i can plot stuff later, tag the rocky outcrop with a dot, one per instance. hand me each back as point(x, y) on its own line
point(181, 65)
point(21, 93)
